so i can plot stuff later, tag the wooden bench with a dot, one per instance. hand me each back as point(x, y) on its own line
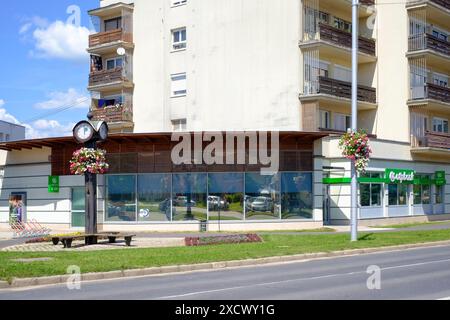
point(111, 236)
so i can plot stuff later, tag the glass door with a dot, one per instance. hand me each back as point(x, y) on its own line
point(78, 207)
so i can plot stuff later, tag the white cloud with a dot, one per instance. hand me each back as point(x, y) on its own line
point(48, 128)
point(59, 99)
point(57, 40)
point(40, 128)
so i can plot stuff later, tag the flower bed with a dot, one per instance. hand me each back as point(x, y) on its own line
point(206, 241)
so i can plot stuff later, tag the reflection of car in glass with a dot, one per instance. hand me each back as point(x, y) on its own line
point(216, 203)
point(182, 201)
point(164, 207)
point(260, 204)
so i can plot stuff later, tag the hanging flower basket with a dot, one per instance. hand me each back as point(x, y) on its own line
point(355, 146)
point(87, 160)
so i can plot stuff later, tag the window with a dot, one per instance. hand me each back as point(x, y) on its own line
point(178, 2)
point(179, 125)
point(114, 63)
point(325, 119)
point(7, 137)
point(342, 73)
point(440, 34)
point(440, 80)
point(179, 38)
point(226, 197)
point(398, 194)
point(439, 195)
point(153, 191)
point(179, 85)
point(121, 198)
point(440, 125)
point(422, 192)
point(189, 196)
point(1, 136)
point(296, 195)
point(342, 121)
point(262, 196)
point(342, 24)
point(113, 24)
point(112, 101)
point(370, 193)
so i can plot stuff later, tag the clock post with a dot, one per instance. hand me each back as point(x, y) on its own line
point(89, 133)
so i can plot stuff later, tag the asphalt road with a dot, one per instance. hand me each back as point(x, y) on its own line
point(409, 274)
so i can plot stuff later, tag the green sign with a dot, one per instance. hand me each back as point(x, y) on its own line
point(399, 176)
point(53, 184)
point(440, 178)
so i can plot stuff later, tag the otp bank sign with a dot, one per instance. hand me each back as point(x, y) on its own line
point(400, 175)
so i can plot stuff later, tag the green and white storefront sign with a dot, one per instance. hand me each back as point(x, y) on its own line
point(399, 176)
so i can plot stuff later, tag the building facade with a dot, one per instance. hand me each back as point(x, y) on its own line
point(165, 66)
point(11, 131)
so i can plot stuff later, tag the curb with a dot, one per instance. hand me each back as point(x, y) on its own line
point(51, 280)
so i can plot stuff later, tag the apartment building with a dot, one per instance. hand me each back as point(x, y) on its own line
point(11, 131)
point(165, 66)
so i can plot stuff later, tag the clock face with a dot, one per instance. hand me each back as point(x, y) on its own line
point(103, 132)
point(84, 132)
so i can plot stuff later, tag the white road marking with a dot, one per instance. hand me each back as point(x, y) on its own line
point(299, 279)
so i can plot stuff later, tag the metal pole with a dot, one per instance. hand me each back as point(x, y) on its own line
point(354, 184)
point(91, 202)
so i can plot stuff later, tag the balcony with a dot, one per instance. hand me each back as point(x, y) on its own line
point(337, 43)
point(340, 89)
point(441, 3)
point(118, 117)
point(109, 79)
point(432, 143)
point(431, 96)
point(110, 37)
point(429, 42)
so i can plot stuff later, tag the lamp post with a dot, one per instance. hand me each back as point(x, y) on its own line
point(354, 183)
point(89, 133)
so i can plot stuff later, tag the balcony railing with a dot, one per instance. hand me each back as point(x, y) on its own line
point(342, 89)
point(105, 77)
point(432, 140)
point(109, 37)
point(443, 3)
point(343, 38)
point(427, 41)
point(431, 91)
point(113, 114)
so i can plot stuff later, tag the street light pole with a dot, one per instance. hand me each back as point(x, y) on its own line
point(354, 184)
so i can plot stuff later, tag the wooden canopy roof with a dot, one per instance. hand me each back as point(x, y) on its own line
point(62, 142)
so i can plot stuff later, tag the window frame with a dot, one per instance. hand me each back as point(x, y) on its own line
point(178, 93)
point(179, 45)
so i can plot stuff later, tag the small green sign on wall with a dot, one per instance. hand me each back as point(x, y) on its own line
point(53, 184)
point(440, 178)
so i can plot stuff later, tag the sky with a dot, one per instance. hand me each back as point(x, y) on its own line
point(45, 64)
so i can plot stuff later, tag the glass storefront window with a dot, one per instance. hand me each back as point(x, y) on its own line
point(370, 194)
point(439, 196)
point(422, 192)
point(426, 194)
point(417, 189)
point(296, 196)
point(189, 196)
point(121, 198)
point(398, 194)
point(154, 197)
point(262, 196)
point(226, 196)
